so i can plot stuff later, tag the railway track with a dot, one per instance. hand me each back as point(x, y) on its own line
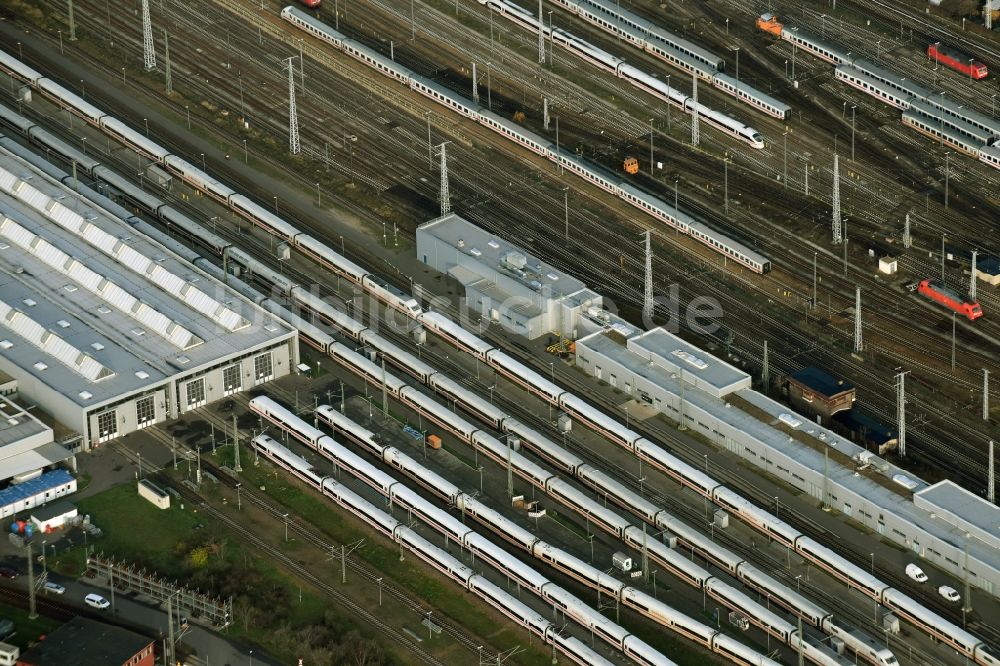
point(308, 535)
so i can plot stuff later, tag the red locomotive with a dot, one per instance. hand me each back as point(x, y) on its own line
point(957, 60)
point(311, 4)
point(938, 292)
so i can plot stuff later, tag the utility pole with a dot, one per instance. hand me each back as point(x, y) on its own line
point(444, 194)
point(32, 613)
point(907, 238)
point(858, 344)
point(647, 302)
point(972, 278)
point(541, 35)
point(545, 113)
point(166, 57)
point(765, 374)
point(645, 555)
point(901, 411)
point(475, 86)
point(967, 597)
point(293, 117)
point(990, 479)
point(236, 448)
point(942, 258)
point(148, 50)
point(837, 236)
point(694, 112)
point(169, 651)
point(72, 22)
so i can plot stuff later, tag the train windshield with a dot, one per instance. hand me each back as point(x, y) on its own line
point(977, 310)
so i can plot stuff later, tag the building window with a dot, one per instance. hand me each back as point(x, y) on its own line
point(145, 411)
point(263, 370)
point(196, 393)
point(107, 425)
point(232, 379)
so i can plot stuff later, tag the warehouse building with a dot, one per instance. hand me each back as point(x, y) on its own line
point(937, 523)
point(505, 284)
point(85, 642)
point(108, 331)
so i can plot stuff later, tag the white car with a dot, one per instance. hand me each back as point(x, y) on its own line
point(97, 601)
point(916, 573)
point(55, 587)
point(949, 593)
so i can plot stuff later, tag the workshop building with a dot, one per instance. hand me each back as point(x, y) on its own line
point(26, 444)
point(84, 642)
point(505, 284)
point(817, 393)
point(108, 331)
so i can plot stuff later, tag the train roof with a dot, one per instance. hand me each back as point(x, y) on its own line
point(753, 92)
point(952, 52)
point(961, 126)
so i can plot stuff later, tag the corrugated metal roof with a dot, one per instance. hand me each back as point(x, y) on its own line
point(123, 252)
point(50, 343)
point(46, 481)
point(97, 284)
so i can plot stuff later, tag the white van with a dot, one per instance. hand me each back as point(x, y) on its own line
point(916, 573)
point(96, 601)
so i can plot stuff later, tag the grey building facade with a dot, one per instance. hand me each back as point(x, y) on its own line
point(109, 331)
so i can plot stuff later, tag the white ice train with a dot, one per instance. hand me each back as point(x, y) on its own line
point(568, 462)
point(604, 60)
point(718, 242)
point(932, 623)
point(662, 211)
point(437, 557)
point(670, 48)
point(455, 530)
point(527, 576)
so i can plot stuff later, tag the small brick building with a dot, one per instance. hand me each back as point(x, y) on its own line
point(84, 642)
point(814, 392)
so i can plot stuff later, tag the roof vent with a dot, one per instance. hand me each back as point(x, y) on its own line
point(138, 332)
point(70, 288)
point(97, 345)
point(183, 360)
point(86, 395)
point(12, 421)
point(493, 244)
point(6, 344)
point(461, 243)
point(104, 309)
point(270, 327)
point(40, 366)
point(515, 260)
point(142, 374)
point(29, 302)
point(476, 252)
point(63, 323)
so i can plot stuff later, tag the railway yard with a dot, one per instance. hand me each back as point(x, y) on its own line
point(451, 450)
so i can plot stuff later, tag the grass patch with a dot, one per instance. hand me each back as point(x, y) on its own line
point(120, 513)
point(26, 631)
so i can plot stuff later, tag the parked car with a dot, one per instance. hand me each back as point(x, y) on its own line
point(949, 593)
point(55, 588)
point(96, 601)
point(916, 573)
point(7, 572)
